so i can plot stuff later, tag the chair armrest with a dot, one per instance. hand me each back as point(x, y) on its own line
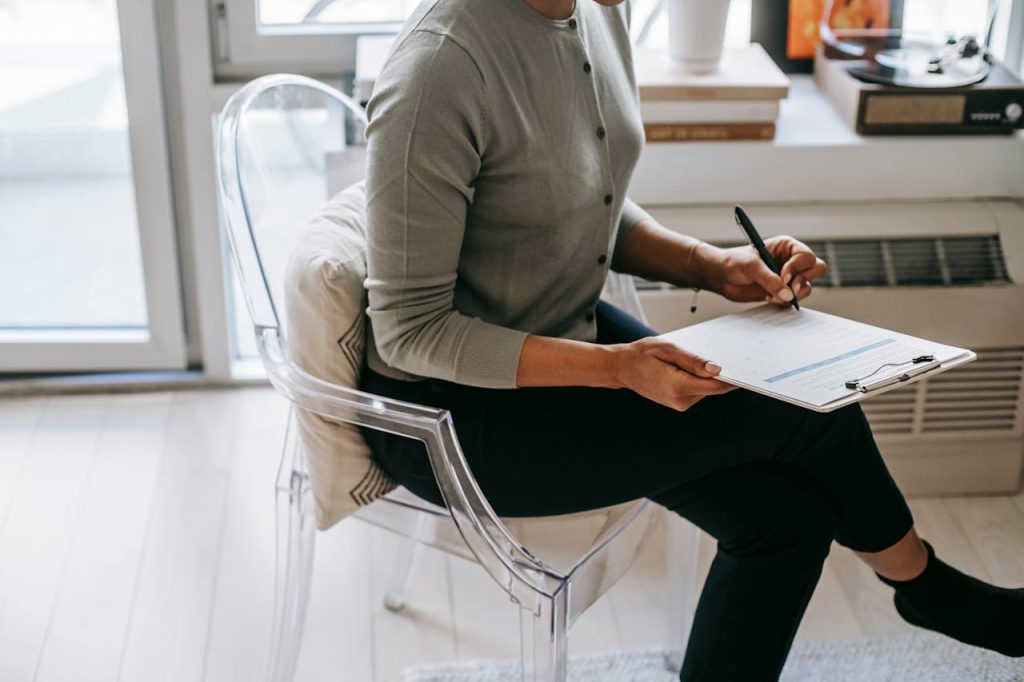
point(509, 563)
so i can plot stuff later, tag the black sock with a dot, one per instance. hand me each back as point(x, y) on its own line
point(945, 600)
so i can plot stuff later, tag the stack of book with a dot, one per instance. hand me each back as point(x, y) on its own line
point(739, 101)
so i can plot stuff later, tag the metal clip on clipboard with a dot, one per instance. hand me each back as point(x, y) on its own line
point(925, 363)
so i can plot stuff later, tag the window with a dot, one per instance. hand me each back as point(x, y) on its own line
point(87, 263)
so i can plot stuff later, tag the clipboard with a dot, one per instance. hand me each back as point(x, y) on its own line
point(857, 396)
point(809, 358)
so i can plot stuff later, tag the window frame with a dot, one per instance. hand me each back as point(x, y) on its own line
point(241, 48)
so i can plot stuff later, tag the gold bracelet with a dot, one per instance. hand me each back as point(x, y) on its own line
point(689, 259)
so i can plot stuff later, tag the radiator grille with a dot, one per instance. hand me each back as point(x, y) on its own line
point(932, 261)
point(861, 263)
point(982, 396)
point(892, 412)
point(935, 261)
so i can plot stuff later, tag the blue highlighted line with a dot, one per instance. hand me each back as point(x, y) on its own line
point(829, 361)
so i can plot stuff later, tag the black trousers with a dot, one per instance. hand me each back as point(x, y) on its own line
point(773, 483)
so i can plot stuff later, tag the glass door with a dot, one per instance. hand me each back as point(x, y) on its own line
point(88, 264)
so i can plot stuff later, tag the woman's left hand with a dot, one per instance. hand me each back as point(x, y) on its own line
point(744, 277)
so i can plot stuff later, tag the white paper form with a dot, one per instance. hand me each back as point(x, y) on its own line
point(805, 356)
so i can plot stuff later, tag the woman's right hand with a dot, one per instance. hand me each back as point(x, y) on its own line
point(665, 373)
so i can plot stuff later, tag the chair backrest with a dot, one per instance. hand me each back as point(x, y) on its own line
point(286, 143)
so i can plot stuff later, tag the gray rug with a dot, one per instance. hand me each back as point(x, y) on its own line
point(890, 658)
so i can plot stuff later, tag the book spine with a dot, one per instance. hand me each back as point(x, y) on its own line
point(696, 132)
point(754, 111)
point(675, 93)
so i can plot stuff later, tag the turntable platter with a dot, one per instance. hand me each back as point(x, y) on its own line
point(918, 68)
point(889, 58)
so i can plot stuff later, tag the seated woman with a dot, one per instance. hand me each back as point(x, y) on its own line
point(502, 138)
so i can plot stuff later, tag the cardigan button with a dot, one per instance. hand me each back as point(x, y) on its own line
point(586, 67)
point(572, 23)
point(602, 259)
point(607, 199)
point(600, 133)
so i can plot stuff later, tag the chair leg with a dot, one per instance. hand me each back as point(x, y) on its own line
point(682, 545)
point(295, 550)
point(545, 638)
point(405, 557)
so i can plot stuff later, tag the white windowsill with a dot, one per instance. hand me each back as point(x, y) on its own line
point(246, 370)
point(816, 156)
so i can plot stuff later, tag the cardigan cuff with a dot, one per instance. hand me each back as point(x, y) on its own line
point(489, 356)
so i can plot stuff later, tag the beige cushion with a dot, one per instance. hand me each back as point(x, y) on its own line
point(326, 336)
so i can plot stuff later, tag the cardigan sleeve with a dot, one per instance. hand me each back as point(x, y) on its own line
point(426, 135)
point(631, 215)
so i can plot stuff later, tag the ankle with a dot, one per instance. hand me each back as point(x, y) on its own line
point(910, 572)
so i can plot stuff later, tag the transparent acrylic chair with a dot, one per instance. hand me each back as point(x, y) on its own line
point(285, 143)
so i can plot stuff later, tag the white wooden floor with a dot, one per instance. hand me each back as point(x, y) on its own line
point(136, 544)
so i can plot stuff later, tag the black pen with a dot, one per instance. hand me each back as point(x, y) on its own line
point(755, 239)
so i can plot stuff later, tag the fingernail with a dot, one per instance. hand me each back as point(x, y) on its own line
point(785, 280)
point(796, 288)
point(712, 367)
point(786, 295)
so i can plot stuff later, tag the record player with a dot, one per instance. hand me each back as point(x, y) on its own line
point(889, 81)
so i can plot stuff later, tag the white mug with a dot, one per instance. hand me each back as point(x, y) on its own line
point(696, 33)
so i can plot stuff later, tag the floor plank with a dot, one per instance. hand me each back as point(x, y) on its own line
point(830, 614)
point(937, 523)
point(40, 527)
point(421, 632)
point(18, 421)
point(240, 626)
point(90, 617)
point(338, 643)
point(171, 612)
point(995, 528)
point(486, 621)
point(868, 597)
